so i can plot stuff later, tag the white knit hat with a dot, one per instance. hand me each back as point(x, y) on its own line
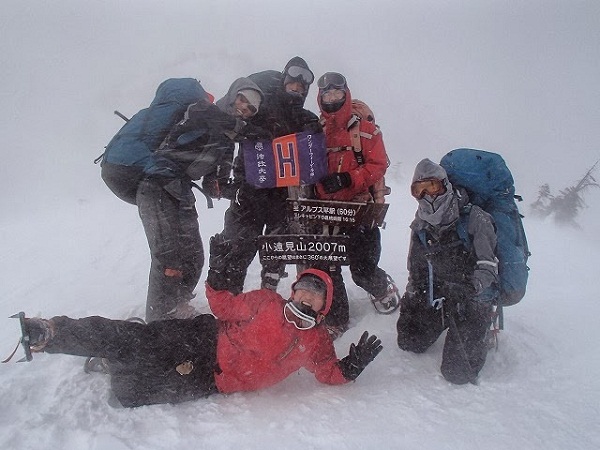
point(252, 96)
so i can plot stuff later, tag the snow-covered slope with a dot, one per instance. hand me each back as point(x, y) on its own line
point(540, 390)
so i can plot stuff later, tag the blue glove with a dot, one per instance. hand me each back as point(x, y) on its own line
point(488, 295)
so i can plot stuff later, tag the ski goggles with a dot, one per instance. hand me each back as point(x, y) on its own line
point(428, 186)
point(301, 315)
point(300, 73)
point(332, 80)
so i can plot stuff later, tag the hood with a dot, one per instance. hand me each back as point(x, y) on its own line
point(324, 276)
point(443, 209)
point(337, 121)
point(428, 169)
point(297, 100)
point(225, 104)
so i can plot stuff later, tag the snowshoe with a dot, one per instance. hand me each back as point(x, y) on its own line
point(390, 301)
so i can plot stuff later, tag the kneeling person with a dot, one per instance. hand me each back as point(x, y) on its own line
point(450, 284)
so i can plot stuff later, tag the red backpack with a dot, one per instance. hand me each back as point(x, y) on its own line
point(362, 111)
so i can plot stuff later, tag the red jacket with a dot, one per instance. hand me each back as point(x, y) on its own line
point(257, 347)
point(373, 149)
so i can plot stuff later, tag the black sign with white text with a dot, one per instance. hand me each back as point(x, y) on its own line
point(293, 248)
point(349, 214)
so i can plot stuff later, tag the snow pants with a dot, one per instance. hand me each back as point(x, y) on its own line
point(177, 254)
point(253, 213)
point(364, 251)
point(168, 213)
point(465, 347)
point(166, 361)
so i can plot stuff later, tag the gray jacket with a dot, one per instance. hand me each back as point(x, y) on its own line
point(453, 263)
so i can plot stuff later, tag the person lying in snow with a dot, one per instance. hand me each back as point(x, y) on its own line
point(256, 340)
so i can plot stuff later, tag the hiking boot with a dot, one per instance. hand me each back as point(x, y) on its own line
point(388, 302)
point(37, 333)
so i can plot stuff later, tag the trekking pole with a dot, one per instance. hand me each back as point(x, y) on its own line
point(122, 116)
point(461, 347)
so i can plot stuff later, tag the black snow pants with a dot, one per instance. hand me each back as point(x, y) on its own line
point(465, 347)
point(252, 213)
point(364, 251)
point(166, 361)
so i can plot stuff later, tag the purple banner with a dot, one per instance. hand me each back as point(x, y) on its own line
point(290, 160)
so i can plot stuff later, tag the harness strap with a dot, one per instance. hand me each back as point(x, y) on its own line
point(339, 149)
point(209, 202)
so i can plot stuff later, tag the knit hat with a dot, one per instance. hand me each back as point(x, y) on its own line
point(252, 96)
point(311, 283)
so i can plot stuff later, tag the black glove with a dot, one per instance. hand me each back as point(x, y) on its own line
point(218, 280)
point(360, 356)
point(220, 251)
point(336, 181)
point(229, 189)
point(211, 186)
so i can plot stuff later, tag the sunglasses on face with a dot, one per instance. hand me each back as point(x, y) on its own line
point(300, 314)
point(332, 80)
point(300, 73)
point(429, 186)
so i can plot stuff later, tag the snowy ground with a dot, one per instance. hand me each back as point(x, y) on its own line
point(519, 78)
point(540, 390)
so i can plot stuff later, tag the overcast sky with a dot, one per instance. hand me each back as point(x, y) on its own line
point(518, 78)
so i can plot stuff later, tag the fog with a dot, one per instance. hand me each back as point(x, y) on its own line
point(517, 78)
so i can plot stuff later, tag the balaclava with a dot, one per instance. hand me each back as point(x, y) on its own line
point(443, 209)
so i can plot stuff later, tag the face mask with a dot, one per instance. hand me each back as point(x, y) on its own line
point(438, 210)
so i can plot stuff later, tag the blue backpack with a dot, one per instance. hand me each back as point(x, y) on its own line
point(135, 143)
point(490, 185)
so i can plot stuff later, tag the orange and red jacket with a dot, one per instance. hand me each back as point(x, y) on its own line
point(341, 158)
point(257, 347)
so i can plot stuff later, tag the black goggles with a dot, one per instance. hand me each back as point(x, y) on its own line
point(300, 73)
point(332, 80)
point(301, 315)
point(429, 186)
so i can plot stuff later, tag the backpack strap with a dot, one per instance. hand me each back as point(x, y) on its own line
point(209, 202)
point(462, 226)
point(353, 128)
point(436, 303)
